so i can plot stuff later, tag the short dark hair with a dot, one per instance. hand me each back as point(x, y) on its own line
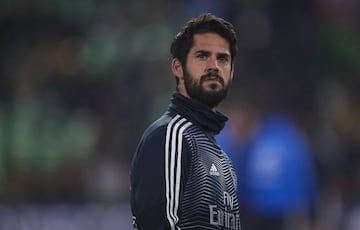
point(204, 23)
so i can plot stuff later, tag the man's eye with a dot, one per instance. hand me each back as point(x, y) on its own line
point(202, 56)
point(223, 59)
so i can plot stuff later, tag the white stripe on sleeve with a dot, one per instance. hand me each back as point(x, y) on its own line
point(173, 150)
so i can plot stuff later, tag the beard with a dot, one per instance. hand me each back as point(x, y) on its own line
point(211, 97)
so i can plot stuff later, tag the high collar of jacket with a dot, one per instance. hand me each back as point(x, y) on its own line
point(198, 113)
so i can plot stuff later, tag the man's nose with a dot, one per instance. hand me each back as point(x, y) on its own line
point(213, 64)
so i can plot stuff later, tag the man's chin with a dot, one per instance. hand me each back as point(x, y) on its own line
point(213, 88)
point(212, 98)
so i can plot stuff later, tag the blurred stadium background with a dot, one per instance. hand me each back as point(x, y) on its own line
point(80, 80)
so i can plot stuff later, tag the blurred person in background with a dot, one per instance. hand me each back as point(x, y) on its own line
point(276, 173)
point(337, 147)
point(180, 177)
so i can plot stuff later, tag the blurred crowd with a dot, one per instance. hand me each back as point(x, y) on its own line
point(80, 80)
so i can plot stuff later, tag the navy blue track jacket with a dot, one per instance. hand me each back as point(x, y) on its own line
point(180, 177)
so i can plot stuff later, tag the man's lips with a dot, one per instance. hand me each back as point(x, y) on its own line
point(213, 78)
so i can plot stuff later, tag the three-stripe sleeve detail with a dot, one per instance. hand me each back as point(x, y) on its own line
point(173, 151)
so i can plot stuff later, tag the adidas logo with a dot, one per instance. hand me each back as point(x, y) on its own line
point(213, 171)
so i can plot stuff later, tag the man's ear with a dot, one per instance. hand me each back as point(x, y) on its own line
point(232, 72)
point(176, 68)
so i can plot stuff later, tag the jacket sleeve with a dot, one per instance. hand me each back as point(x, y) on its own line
point(158, 174)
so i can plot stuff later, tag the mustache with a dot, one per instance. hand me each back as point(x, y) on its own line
point(212, 75)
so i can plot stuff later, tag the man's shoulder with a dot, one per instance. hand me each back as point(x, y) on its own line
point(166, 123)
point(158, 126)
point(164, 130)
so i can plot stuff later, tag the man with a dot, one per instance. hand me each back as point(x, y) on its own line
point(180, 177)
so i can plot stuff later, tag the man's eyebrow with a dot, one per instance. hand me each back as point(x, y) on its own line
point(223, 55)
point(208, 52)
point(202, 52)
